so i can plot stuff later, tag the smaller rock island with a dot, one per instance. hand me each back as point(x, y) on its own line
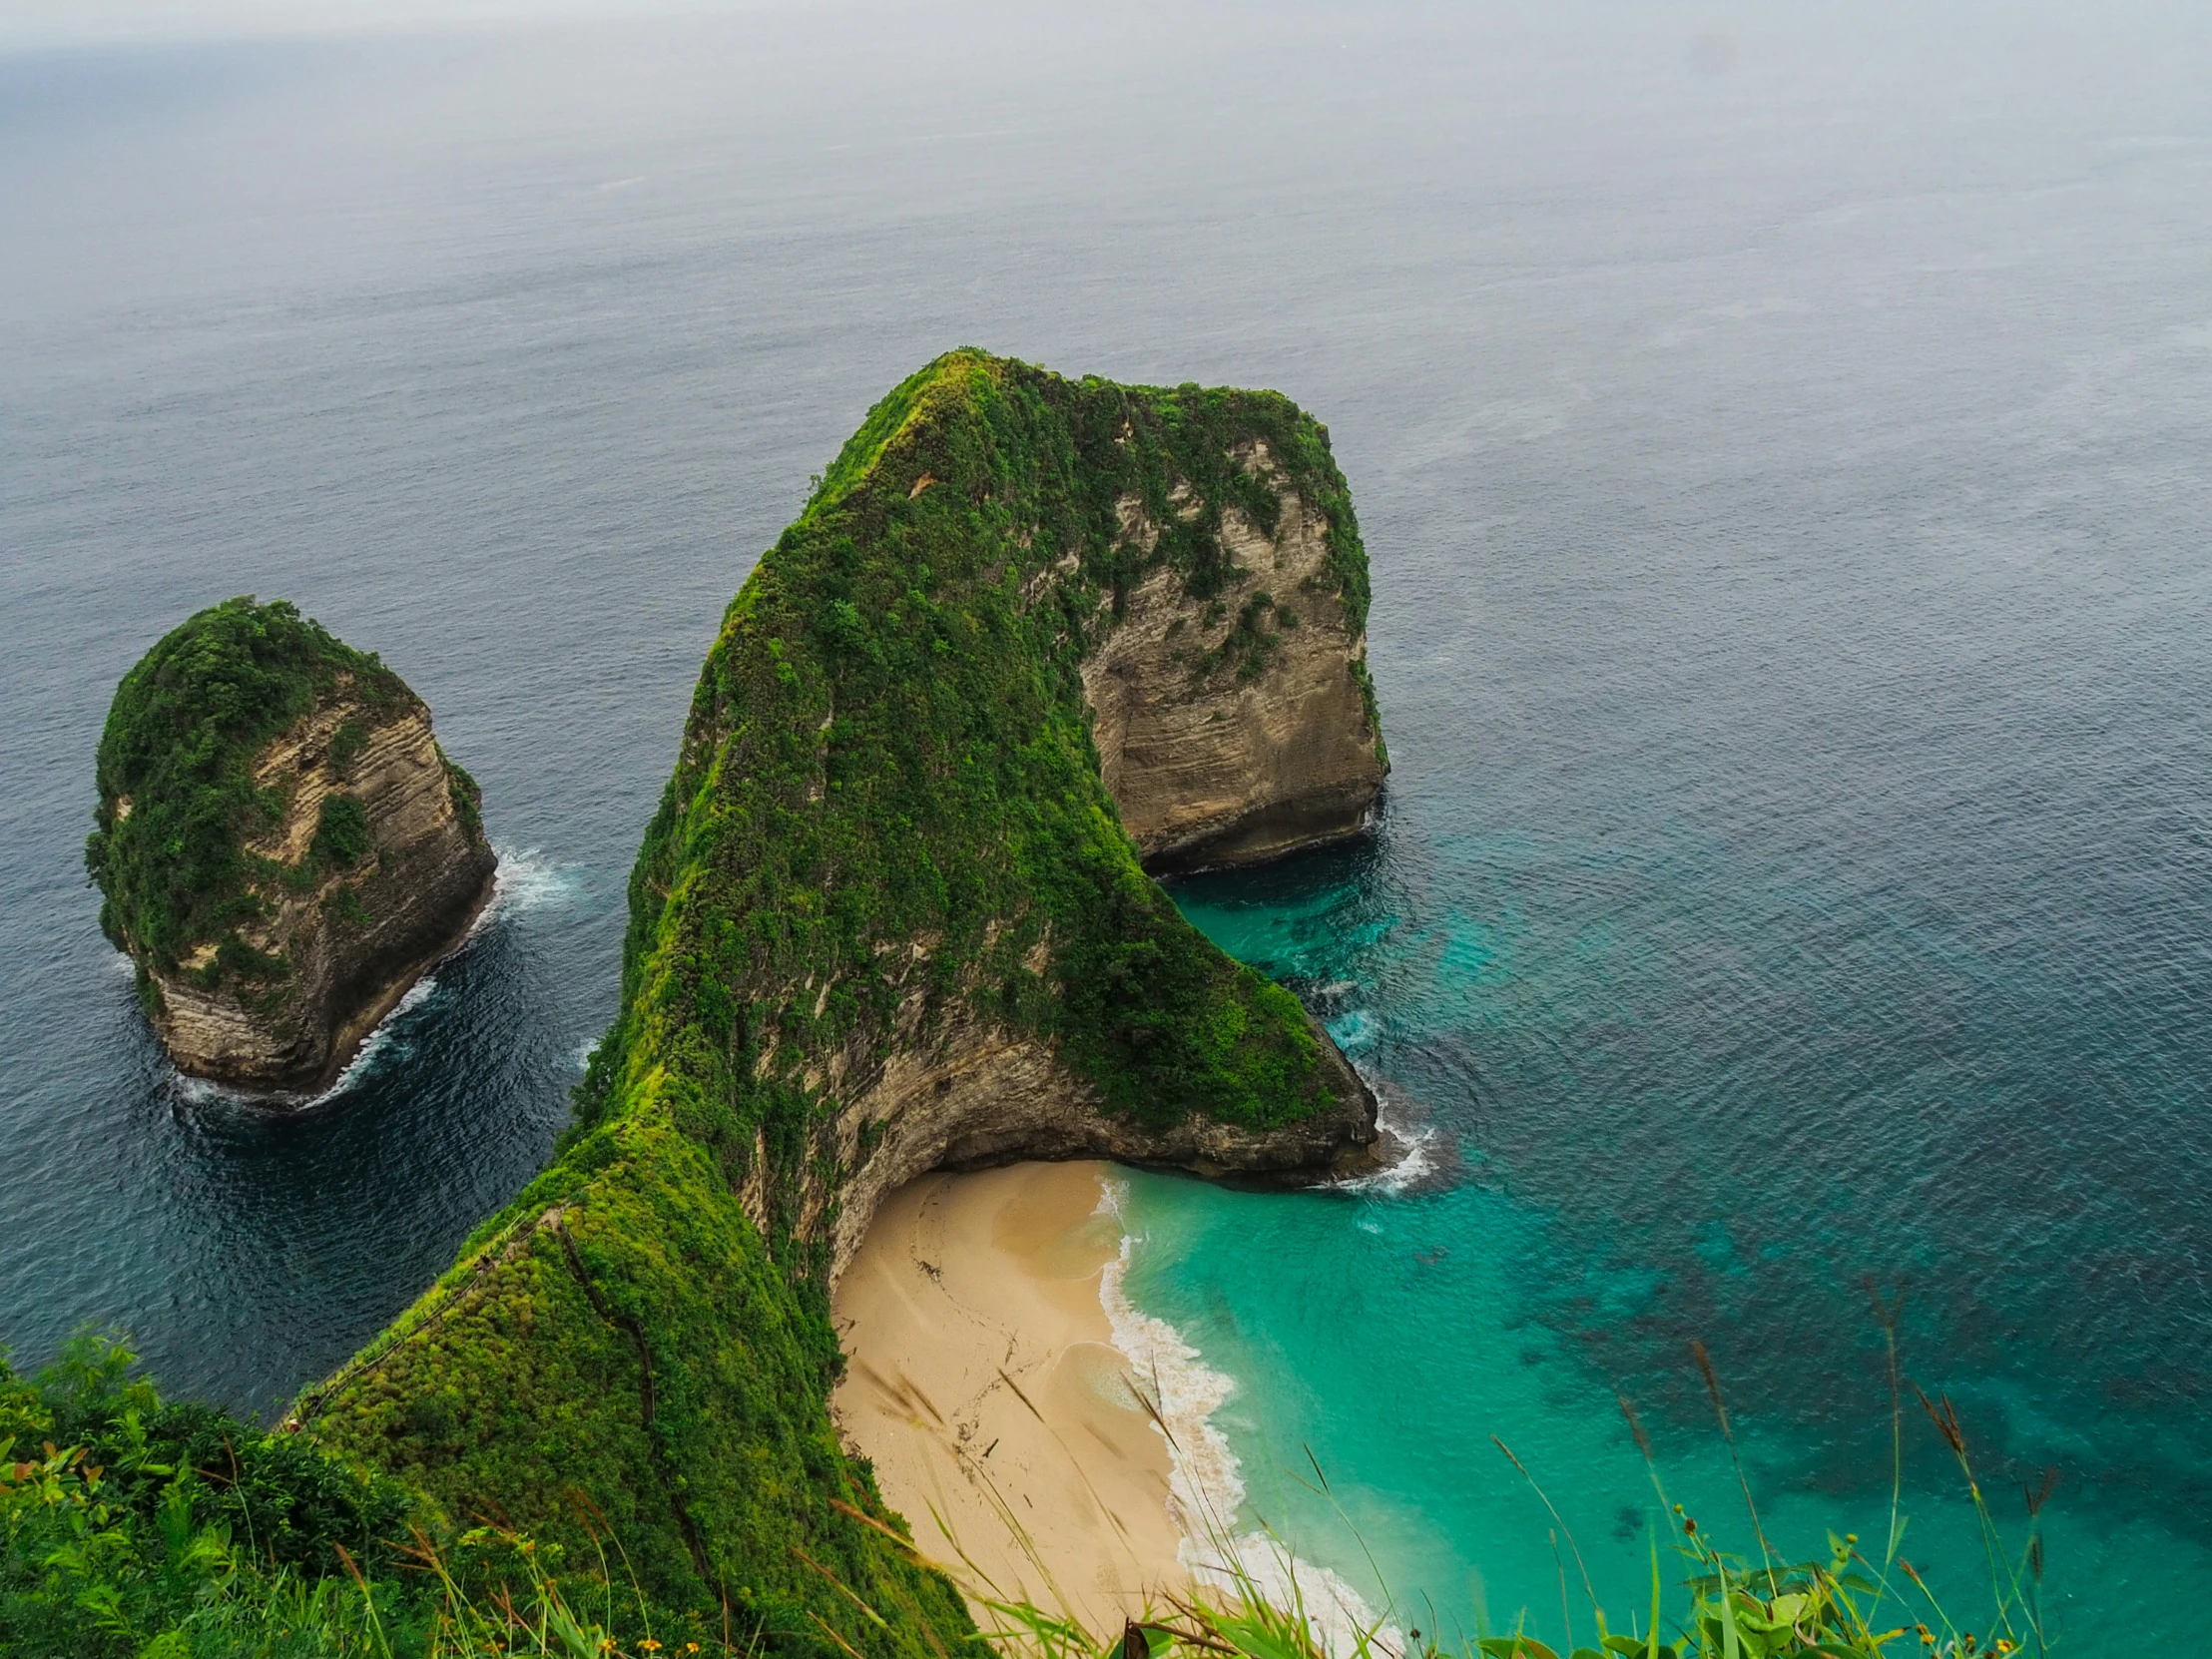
point(282, 848)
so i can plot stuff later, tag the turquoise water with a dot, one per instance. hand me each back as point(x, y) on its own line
point(1391, 1369)
point(1779, 440)
point(1621, 1145)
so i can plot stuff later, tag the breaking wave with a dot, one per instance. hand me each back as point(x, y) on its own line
point(1416, 1152)
point(527, 881)
point(1206, 1489)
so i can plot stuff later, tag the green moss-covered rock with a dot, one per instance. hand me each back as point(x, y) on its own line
point(887, 916)
point(281, 847)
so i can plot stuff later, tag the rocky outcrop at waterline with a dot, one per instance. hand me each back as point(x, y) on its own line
point(970, 1097)
point(282, 848)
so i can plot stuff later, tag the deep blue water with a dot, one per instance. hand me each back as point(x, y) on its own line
point(1779, 442)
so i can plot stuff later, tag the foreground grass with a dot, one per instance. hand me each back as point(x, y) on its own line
point(136, 1529)
point(1711, 1602)
point(149, 1530)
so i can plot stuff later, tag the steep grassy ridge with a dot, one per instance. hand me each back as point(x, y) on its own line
point(886, 817)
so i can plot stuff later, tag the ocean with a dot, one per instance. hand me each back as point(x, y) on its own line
point(1779, 440)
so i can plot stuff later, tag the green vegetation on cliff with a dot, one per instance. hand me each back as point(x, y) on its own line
point(889, 742)
point(126, 1519)
point(887, 813)
point(177, 800)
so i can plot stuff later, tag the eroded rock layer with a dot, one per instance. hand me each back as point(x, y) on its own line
point(279, 892)
point(1269, 747)
point(357, 937)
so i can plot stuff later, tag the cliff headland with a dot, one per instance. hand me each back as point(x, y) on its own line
point(282, 848)
point(891, 916)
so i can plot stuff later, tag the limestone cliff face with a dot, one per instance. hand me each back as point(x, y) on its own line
point(1230, 731)
point(355, 932)
point(961, 1093)
point(1224, 756)
point(1231, 728)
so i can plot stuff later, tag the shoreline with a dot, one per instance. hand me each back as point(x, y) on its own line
point(986, 1385)
point(993, 1364)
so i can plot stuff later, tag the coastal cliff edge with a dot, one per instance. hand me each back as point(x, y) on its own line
point(893, 916)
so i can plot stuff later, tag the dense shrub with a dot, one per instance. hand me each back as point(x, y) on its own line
point(127, 1520)
point(341, 833)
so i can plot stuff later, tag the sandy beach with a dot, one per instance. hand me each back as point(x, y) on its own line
point(985, 1387)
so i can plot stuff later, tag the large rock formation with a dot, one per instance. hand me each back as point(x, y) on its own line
point(282, 846)
point(890, 917)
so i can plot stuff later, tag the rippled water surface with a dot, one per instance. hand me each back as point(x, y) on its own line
point(1781, 444)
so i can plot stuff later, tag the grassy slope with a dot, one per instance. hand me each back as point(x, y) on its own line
point(888, 744)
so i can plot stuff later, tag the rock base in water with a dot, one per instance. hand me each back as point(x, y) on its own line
point(284, 847)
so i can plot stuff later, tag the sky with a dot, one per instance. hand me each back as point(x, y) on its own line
point(33, 25)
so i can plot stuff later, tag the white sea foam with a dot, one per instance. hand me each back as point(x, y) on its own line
point(1205, 1490)
point(202, 1091)
point(527, 881)
point(1414, 1143)
point(379, 1039)
point(1355, 1029)
point(1206, 1486)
